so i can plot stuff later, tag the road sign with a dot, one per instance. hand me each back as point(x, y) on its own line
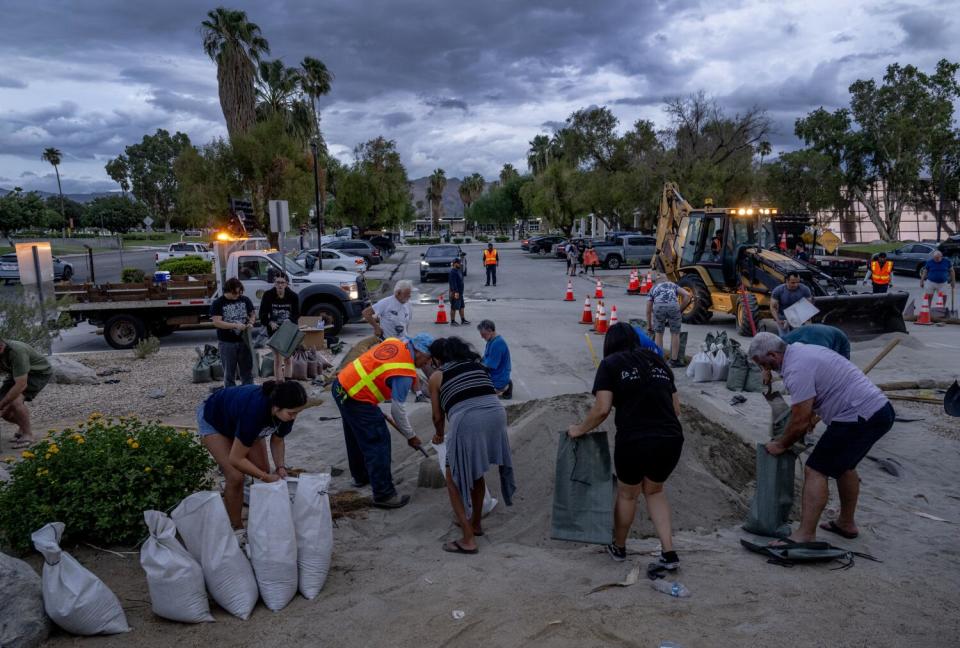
point(829, 241)
point(148, 222)
point(279, 216)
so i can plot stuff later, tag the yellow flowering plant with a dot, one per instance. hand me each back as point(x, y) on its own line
point(99, 479)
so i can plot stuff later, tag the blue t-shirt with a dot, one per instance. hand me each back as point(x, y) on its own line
point(456, 281)
point(243, 413)
point(646, 342)
point(496, 357)
point(938, 271)
point(822, 335)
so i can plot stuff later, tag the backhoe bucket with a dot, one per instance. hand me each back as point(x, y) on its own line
point(863, 316)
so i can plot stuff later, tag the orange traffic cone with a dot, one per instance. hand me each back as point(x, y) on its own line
point(613, 315)
point(634, 286)
point(569, 296)
point(587, 317)
point(599, 291)
point(941, 303)
point(601, 327)
point(441, 311)
point(647, 284)
point(924, 317)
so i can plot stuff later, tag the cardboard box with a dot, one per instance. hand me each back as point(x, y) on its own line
point(314, 338)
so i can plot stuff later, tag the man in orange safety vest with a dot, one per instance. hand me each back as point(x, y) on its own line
point(880, 273)
point(491, 259)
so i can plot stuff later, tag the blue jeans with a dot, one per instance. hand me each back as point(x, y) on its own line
point(368, 443)
point(232, 355)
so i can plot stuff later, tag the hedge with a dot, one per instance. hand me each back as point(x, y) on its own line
point(132, 275)
point(188, 265)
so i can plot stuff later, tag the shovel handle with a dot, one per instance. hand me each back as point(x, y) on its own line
point(883, 353)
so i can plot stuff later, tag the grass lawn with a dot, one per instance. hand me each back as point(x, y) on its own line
point(157, 238)
point(373, 285)
point(872, 248)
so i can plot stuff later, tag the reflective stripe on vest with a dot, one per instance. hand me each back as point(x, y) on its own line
point(489, 257)
point(881, 274)
point(365, 379)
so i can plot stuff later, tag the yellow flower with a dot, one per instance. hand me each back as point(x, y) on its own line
point(129, 440)
point(9, 460)
point(51, 431)
point(80, 440)
point(147, 469)
point(168, 469)
point(134, 445)
point(95, 416)
point(46, 456)
point(26, 454)
point(53, 449)
point(166, 440)
point(39, 473)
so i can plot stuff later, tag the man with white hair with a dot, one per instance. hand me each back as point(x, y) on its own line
point(935, 274)
point(390, 317)
point(857, 414)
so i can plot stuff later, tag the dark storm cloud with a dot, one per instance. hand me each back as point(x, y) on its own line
point(443, 103)
point(394, 119)
point(925, 30)
point(174, 102)
point(10, 82)
point(553, 126)
point(637, 101)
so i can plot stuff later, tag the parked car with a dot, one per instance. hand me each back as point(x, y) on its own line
point(628, 249)
point(436, 261)
point(910, 258)
point(184, 249)
point(951, 249)
point(543, 244)
point(10, 270)
point(385, 243)
point(332, 260)
point(370, 252)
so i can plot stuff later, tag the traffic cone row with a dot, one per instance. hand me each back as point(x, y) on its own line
point(924, 317)
point(587, 317)
point(634, 286)
point(646, 285)
point(441, 311)
point(598, 293)
point(601, 326)
point(613, 315)
point(569, 296)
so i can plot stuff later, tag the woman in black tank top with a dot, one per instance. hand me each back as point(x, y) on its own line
point(462, 393)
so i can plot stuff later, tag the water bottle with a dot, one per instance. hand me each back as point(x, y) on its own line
point(675, 589)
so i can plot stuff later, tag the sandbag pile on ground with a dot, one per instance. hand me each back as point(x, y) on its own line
point(314, 528)
point(73, 597)
point(203, 524)
point(174, 578)
point(272, 543)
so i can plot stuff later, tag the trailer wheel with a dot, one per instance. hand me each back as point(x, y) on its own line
point(698, 312)
point(743, 321)
point(123, 331)
point(330, 314)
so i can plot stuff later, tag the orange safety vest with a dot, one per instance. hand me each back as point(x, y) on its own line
point(365, 379)
point(490, 257)
point(880, 275)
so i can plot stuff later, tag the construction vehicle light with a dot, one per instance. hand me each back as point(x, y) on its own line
point(742, 211)
point(750, 212)
point(224, 236)
point(773, 211)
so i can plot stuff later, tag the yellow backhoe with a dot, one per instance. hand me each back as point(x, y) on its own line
point(727, 257)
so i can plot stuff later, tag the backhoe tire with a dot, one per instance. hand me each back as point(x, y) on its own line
point(743, 322)
point(698, 312)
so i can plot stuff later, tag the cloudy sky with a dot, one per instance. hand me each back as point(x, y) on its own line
point(459, 85)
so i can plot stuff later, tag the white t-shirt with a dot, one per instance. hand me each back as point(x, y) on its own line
point(394, 316)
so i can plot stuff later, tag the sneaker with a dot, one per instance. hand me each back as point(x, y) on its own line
point(422, 398)
point(677, 363)
point(465, 322)
point(669, 560)
point(454, 323)
point(359, 484)
point(394, 502)
point(617, 553)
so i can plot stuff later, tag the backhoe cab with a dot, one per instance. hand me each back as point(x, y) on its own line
point(728, 259)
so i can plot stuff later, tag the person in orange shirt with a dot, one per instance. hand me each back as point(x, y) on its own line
point(590, 260)
point(880, 273)
point(491, 259)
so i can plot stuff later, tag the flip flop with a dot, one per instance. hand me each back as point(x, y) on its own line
point(455, 547)
point(19, 443)
point(832, 527)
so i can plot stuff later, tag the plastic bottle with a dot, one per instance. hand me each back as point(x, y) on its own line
point(675, 589)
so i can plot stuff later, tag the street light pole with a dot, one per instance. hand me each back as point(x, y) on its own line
point(316, 193)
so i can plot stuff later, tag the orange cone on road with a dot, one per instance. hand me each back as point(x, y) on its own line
point(634, 286)
point(613, 315)
point(647, 284)
point(601, 326)
point(569, 296)
point(599, 291)
point(587, 317)
point(441, 311)
point(924, 317)
point(941, 303)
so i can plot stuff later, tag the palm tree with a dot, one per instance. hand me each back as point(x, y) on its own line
point(278, 93)
point(539, 154)
point(315, 80)
point(235, 45)
point(763, 149)
point(438, 180)
point(54, 156)
point(508, 173)
point(465, 194)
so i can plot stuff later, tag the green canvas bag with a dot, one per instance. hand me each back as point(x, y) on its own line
point(583, 495)
point(286, 339)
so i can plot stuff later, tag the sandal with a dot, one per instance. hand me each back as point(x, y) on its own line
point(19, 442)
point(456, 547)
point(833, 527)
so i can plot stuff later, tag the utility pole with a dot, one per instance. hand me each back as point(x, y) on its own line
point(316, 192)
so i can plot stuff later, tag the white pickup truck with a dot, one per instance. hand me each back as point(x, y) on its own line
point(184, 249)
point(128, 313)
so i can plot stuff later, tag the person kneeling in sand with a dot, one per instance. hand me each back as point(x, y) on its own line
point(857, 415)
point(462, 390)
point(234, 424)
point(649, 438)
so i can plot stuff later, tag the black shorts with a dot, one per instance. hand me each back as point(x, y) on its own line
point(456, 303)
point(844, 445)
point(35, 383)
point(652, 457)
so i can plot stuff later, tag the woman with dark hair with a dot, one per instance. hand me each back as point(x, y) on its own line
point(234, 423)
point(462, 391)
point(649, 437)
point(278, 305)
point(233, 314)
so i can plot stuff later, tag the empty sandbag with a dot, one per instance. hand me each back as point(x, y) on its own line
point(314, 527)
point(272, 542)
point(205, 528)
point(73, 597)
point(174, 578)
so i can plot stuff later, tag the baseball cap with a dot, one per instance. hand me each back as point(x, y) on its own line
point(421, 342)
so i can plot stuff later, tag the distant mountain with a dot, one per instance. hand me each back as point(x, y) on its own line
point(452, 205)
point(79, 197)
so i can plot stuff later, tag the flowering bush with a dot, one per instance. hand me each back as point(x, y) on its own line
point(99, 478)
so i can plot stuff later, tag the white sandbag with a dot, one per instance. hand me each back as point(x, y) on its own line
point(314, 526)
point(701, 367)
point(720, 365)
point(174, 578)
point(205, 528)
point(489, 501)
point(73, 597)
point(272, 543)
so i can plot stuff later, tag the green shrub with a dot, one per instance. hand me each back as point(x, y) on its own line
point(501, 239)
point(188, 265)
point(99, 479)
point(132, 275)
point(425, 240)
point(468, 240)
point(146, 348)
point(458, 240)
point(482, 238)
point(20, 319)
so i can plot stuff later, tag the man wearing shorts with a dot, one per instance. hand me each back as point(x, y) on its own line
point(27, 371)
point(857, 415)
point(664, 308)
point(456, 293)
point(936, 272)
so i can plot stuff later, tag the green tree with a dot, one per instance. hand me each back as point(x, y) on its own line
point(119, 171)
point(315, 82)
point(115, 213)
point(803, 181)
point(206, 179)
point(507, 174)
point(54, 157)
point(279, 95)
point(437, 183)
point(236, 45)
point(149, 167)
point(374, 192)
point(71, 209)
point(552, 195)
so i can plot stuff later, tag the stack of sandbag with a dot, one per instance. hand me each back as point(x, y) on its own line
point(174, 578)
point(272, 543)
point(314, 528)
point(208, 366)
point(73, 597)
point(205, 528)
point(701, 366)
point(744, 374)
